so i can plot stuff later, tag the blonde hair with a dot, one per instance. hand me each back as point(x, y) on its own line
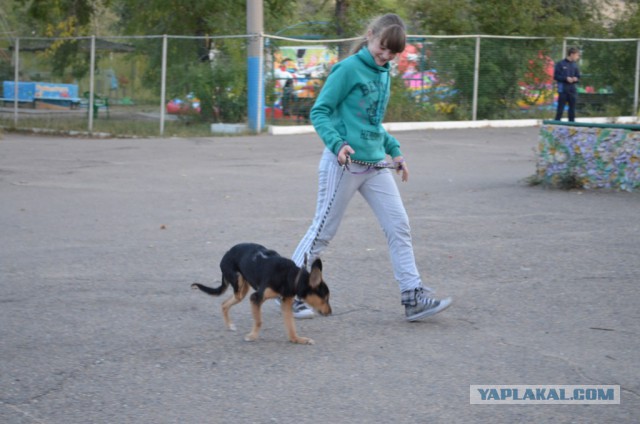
point(389, 28)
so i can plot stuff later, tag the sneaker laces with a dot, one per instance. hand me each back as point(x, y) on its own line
point(423, 297)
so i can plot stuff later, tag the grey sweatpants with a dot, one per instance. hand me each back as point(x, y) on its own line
point(379, 189)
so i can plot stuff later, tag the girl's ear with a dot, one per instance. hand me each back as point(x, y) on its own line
point(369, 35)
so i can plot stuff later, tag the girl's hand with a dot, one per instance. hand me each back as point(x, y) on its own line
point(344, 153)
point(401, 167)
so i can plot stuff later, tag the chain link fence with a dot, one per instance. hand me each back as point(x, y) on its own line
point(180, 85)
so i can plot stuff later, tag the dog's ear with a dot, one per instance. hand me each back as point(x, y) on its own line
point(317, 264)
point(299, 275)
point(315, 278)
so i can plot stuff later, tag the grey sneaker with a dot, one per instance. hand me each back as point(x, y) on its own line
point(300, 309)
point(422, 306)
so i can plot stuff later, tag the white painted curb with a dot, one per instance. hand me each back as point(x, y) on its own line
point(447, 125)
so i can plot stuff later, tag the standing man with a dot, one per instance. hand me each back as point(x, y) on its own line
point(567, 75)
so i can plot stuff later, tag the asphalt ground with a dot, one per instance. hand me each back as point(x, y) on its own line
point(101, 239)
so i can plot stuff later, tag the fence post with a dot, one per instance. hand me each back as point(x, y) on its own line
point(476, 72)
point(637, 85)
point(92, 67)
point(163, 82)
point(16, 80)
point(255, 77)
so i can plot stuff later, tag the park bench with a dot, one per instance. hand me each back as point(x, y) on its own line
point(41, 95)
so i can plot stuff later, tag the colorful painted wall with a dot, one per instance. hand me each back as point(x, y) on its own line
point(589, 156)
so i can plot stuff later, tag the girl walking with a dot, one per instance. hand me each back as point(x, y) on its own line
point(347, 116)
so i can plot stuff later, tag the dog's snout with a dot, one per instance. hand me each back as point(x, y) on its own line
point(326, 310)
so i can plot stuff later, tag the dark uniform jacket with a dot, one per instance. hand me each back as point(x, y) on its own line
point(564, 69)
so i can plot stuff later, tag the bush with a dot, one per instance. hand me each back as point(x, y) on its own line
point(220, 87)
point(403, 107)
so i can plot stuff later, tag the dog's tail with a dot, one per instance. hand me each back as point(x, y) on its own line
point(210, 290)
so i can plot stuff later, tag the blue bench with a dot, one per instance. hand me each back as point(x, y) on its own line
point(42, 95)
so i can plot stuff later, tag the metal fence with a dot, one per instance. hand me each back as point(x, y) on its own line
point(153, 85)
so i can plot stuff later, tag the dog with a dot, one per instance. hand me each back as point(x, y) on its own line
point(250, 265)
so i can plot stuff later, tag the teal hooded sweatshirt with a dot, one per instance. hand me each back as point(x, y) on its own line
point(351, 106)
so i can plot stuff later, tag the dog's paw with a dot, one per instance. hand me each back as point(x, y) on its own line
point(250, 338)
point(231, 327)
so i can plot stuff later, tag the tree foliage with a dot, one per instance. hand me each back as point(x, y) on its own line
point(220, 82)
point(62, 19)
point(613, 63)
point(548, 18)
point(209, 67)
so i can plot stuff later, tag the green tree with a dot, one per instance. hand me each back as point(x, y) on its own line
point(435, 17)
point(61, 19)
point(221, 83)
point(504, 17)
point(629, 24)
point(614, 64)
point(506, 66)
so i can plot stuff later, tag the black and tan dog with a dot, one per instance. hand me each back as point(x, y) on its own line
point(248, 265)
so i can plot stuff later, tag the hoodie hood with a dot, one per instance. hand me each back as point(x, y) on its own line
point(350, 108)
point(365, 56)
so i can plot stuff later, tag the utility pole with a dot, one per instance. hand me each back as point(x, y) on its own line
point(255, 82)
